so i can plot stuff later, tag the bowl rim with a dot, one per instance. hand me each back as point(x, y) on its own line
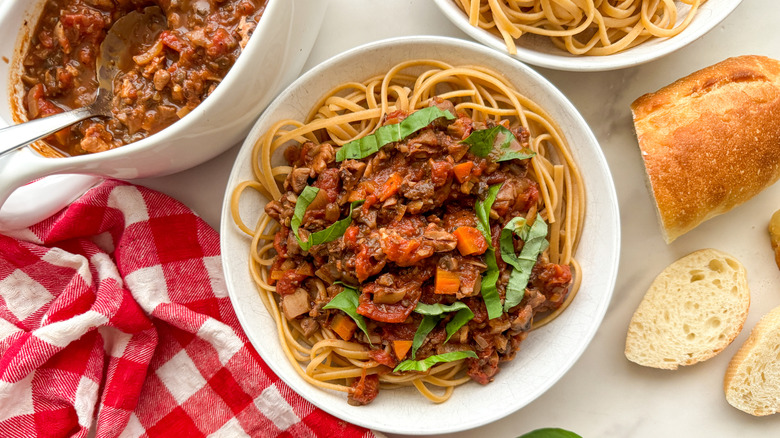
point(229, 232)
point(713, 15)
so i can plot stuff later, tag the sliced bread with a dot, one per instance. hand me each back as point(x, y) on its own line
point(752, 382)
point(692, 311)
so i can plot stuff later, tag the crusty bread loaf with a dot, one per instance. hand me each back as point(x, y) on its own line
point(692, 311)
point(752, 382)
point(711, 140)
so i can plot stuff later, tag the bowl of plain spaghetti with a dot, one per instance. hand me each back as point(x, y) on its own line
point(367, 248)
point(587, 35)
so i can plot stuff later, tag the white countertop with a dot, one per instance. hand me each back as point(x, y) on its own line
point(603, 395)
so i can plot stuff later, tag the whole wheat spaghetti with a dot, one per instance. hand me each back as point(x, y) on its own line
point(582, 27)
point(400, 264)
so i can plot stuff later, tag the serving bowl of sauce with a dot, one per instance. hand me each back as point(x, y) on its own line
point(190, 89)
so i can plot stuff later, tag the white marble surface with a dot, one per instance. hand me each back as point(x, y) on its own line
point(603, 395)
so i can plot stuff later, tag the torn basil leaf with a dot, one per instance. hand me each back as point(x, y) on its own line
point(484, 141)
point(463, 316)
point(550, 432)
point(304, 200)
point(482, 210)
point(489, 291)
point(370, 144)
point(535, 242)
point(439, 309)
point(489, 278)
point(425, 364)
point(459, 320)
point(347, 301)
point(333, 232)
point(427, 324)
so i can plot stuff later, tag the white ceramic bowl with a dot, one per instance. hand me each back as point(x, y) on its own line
point(540, 51)
point(545, 355)
point(271, 60)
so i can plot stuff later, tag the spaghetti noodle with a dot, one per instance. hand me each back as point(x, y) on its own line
point(394, 248)
point(581, 27)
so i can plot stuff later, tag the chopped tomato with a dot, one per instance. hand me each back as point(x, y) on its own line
point(440, 172)
point(350, 235)
point(393, 313)
point(364, 390)
point(328, 182)
point(280, 241)
point(405, 252)
point(289, 282)
point(365, 266)
point(383, 357)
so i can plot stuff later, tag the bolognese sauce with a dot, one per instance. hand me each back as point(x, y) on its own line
point(171, 72)
point(414, 239)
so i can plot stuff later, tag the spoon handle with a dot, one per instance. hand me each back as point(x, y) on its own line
point(16, 136)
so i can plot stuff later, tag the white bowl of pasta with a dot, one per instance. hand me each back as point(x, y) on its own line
point(388, 255)
point(564, 36)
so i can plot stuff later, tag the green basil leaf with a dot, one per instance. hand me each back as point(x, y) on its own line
point(333, 232)
point(489, 278)
point(507, 244)
point(459, 320)
point(535, 242)
point(439, 309)
point(427, 324)
point(304, 200)
point(347, 301)
point(370, 144)
point(482, 143)
point(428, 362)
point(482, 210)
point(522, 154)
point(550, 432)
point(463, 316)
point(489, 291)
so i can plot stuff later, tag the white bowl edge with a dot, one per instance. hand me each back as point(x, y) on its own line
point(411, 413)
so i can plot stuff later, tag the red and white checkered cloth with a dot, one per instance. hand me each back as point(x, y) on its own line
point(114, 316)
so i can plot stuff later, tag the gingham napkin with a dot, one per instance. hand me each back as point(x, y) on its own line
point(114, 316)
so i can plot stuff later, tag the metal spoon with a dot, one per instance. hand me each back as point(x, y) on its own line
point(112, 57)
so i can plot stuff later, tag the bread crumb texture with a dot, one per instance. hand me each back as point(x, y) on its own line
point(693, 309)
point(752, 381)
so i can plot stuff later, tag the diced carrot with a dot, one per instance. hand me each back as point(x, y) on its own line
point(401, 348)
point(462, 171)
point(447, 282)
point(343, 326)
point(470, 241)
point(390, 187)
point(277, 274)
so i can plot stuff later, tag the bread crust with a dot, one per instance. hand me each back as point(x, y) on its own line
point(711, 140)
point(752, 380)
